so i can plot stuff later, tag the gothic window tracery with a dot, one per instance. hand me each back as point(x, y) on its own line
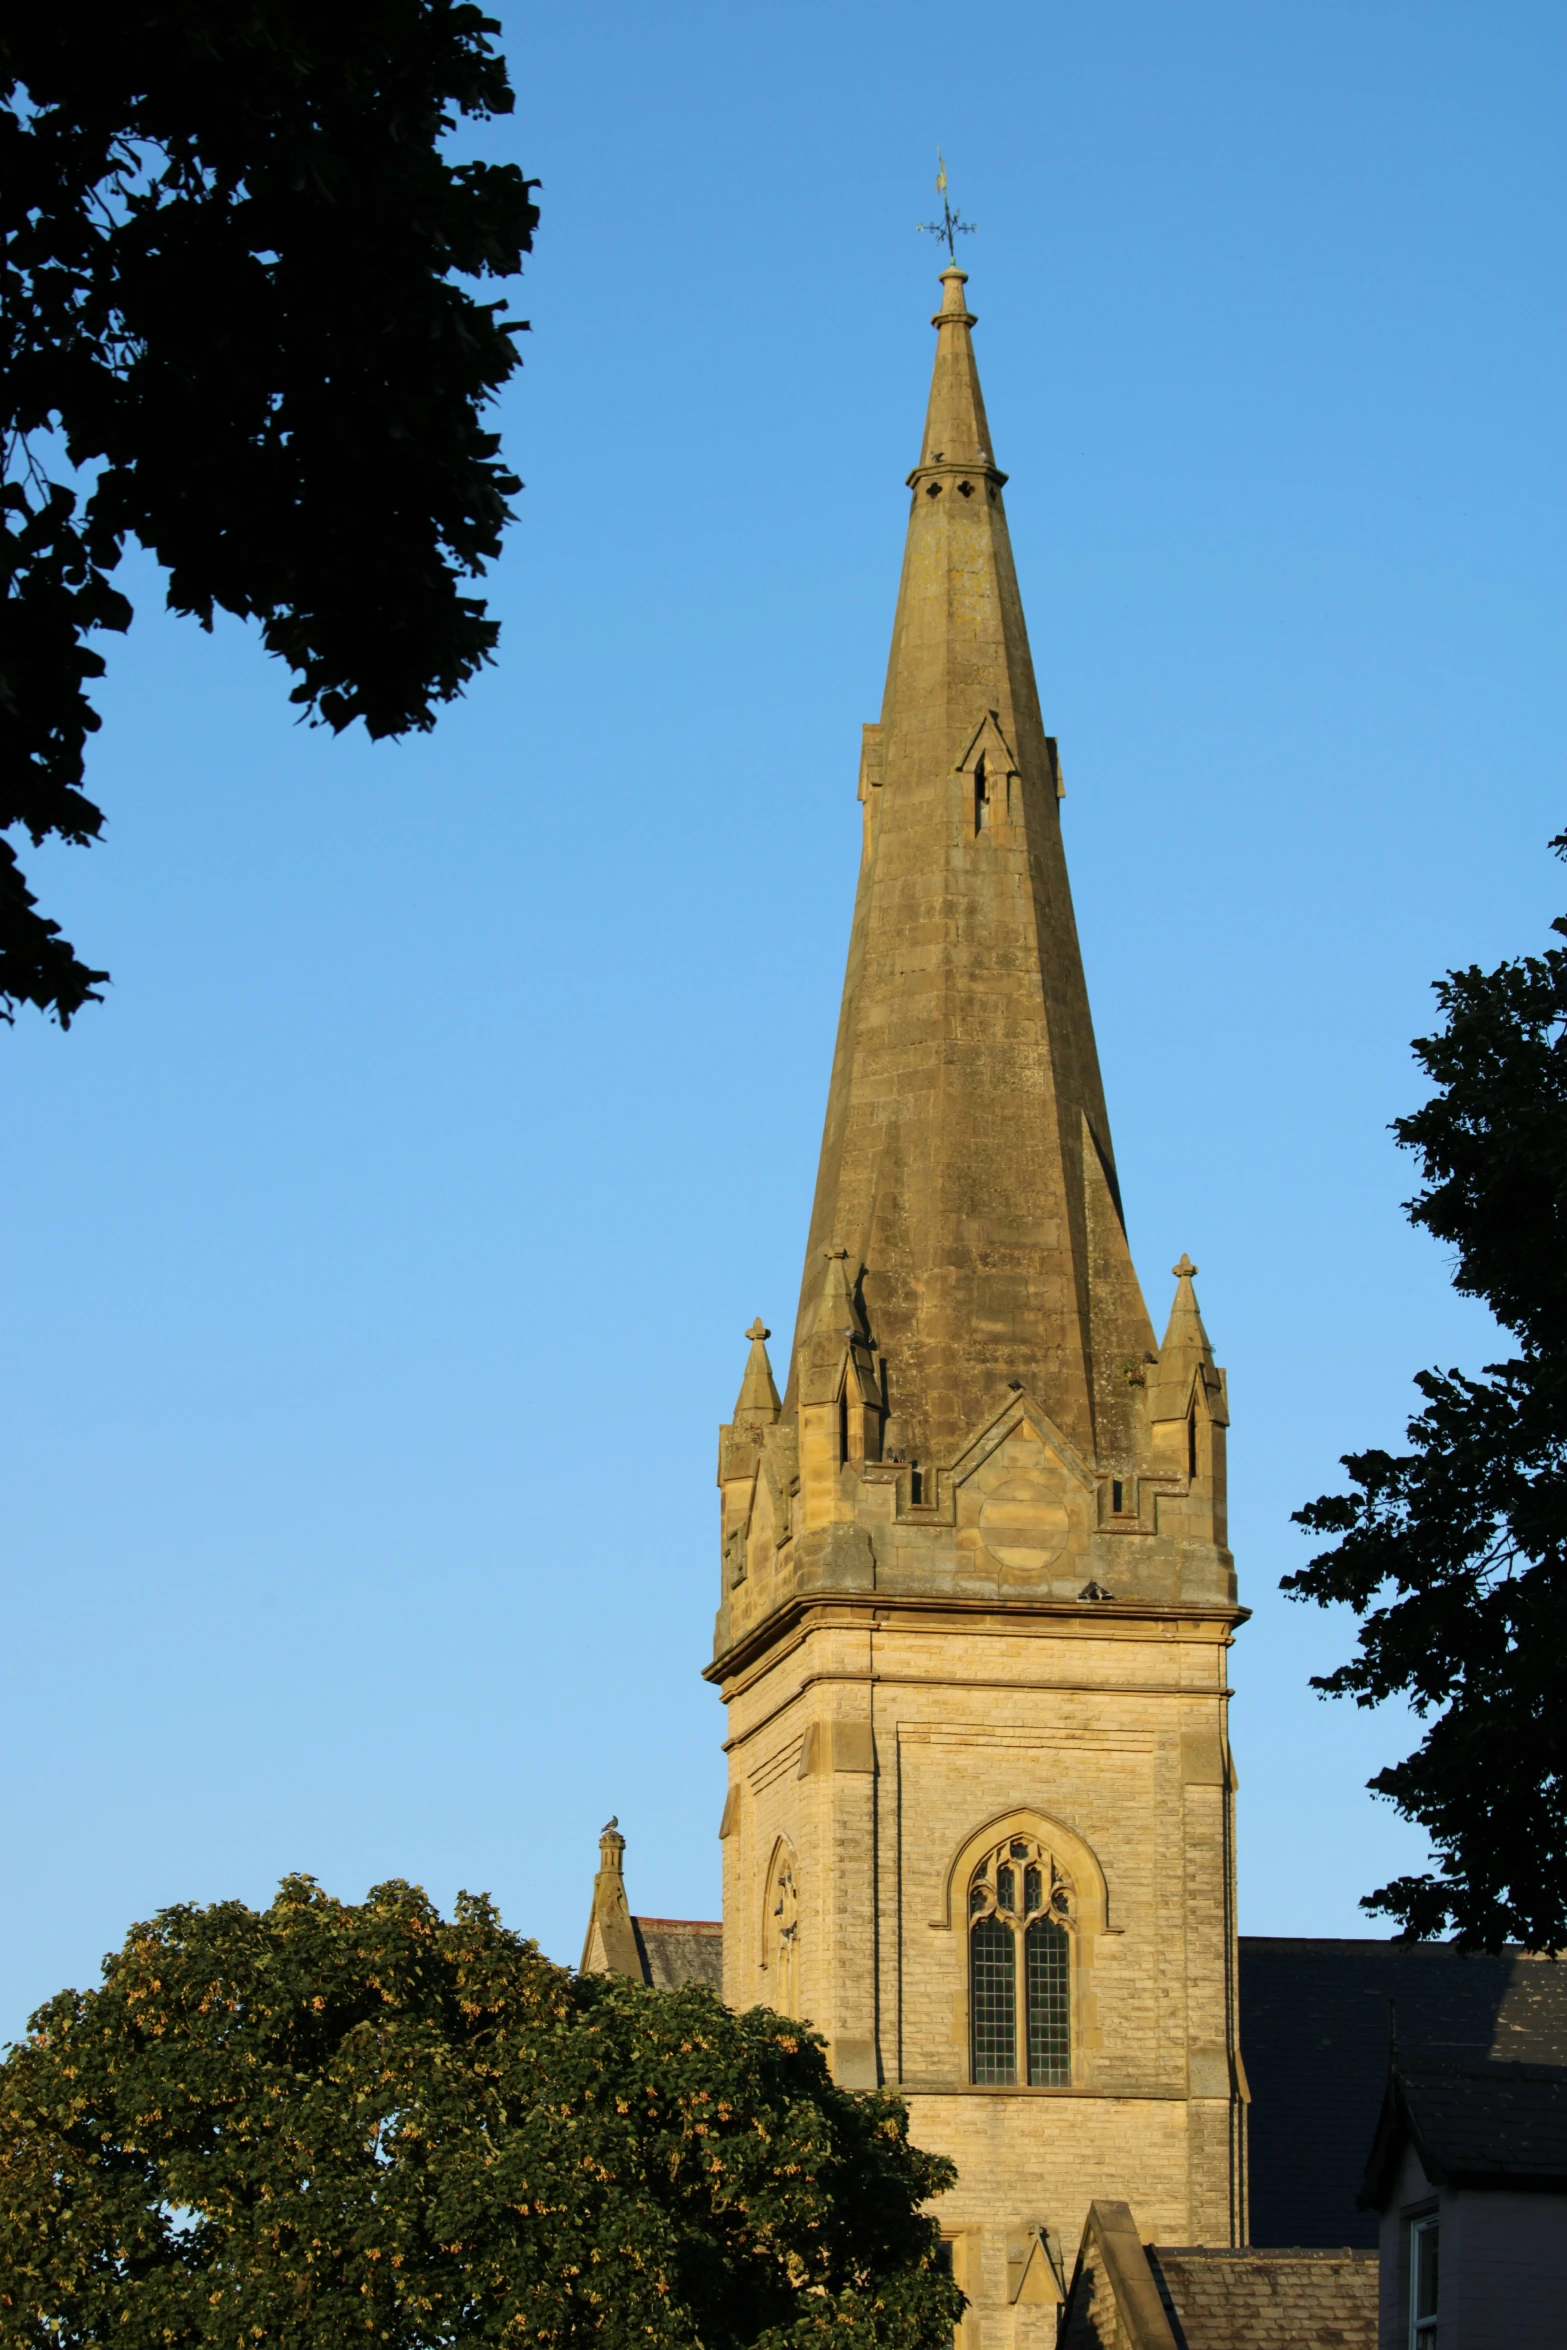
point(1020, 1913)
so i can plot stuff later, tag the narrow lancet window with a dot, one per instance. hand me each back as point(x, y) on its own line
point(981, 797)
point(1020, 1968)
point(1047, 1959)
point(995, 2001)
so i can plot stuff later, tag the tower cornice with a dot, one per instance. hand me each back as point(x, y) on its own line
point(957, 469)
point(769, 1640)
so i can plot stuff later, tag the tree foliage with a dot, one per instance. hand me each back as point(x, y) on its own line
point(1456, 1551)
point(328, 2123)
point(229, 331)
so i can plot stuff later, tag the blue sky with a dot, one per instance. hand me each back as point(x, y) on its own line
point(377, 1257)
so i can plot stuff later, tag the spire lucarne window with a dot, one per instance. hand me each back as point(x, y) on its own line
point(1020, 1968)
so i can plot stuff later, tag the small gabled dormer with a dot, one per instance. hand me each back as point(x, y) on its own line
point(840, 1400)
point(989, 771)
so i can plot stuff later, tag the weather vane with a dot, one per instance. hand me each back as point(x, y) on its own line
point(951, 225)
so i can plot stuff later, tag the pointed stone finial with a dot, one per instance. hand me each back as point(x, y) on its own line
point(956, 431)
point(1186, 1328)
point(611, 1947)
point(757, 1405)
point(954, 309)
point(1184, 1352)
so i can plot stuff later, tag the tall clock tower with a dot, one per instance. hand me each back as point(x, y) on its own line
point(976, 1597)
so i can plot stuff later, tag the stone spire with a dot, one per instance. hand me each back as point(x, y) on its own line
point(966, 1162)
point(1185, 1351)
point(976, 1598)
point(956, 430)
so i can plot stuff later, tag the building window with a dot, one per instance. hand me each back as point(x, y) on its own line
point(993, 1974)
point(1020, 1968)
point(1047, 1965)
point(1422, 2282)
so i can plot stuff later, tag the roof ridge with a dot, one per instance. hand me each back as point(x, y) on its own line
point(1268, 2251)
point(1376, 1942)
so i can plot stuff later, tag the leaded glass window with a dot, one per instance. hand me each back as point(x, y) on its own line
point(1020, 1967)
point(993, 1973)
point(1047, 1964)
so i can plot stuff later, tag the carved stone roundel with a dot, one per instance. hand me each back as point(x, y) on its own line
point(1023, 1524)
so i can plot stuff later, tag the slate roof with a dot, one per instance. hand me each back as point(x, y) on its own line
point(676, 1951)
point(1258, 2300)
point(1317, 2023)
point(1495, 2125)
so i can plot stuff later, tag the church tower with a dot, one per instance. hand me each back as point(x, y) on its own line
point(976, 1599)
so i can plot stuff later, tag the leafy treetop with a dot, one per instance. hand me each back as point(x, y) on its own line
point(328, 2123)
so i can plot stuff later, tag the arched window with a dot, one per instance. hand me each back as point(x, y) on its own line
point(781, 1931)
point(1020, 1967)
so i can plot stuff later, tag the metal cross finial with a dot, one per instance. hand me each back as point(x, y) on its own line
point(951, 225)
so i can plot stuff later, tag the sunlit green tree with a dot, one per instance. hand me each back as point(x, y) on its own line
point(329, 2123)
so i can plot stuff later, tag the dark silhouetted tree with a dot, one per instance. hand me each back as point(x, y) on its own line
point(229, 330)
point(1455, 1553)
